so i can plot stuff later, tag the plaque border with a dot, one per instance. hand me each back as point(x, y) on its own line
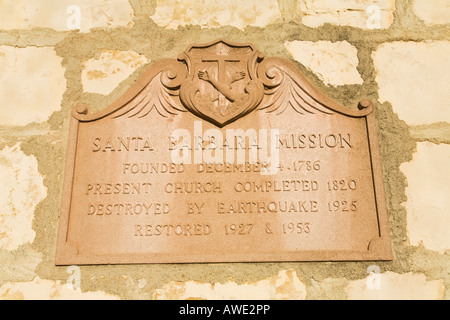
point(379, 248)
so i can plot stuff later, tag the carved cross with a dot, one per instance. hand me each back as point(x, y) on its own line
point(221, 84)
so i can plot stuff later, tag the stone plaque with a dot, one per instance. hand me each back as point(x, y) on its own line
point(223, 155)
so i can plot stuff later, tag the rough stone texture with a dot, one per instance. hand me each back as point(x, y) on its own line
point(436, 132)
point(19, 265)
point(334, 63)
point(428, 204)
point(21, 190)
point(172, 14)
point(328, 289)
point(32, 84)
point(102, 75)
point(355, 13)
point(62, 15)
point(143, 7)
point(286, 285)
point(39, 289)
point(413, 76)
point(395, 286)
point(432, 11)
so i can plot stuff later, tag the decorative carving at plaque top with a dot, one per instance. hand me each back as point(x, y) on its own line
point(221, 82)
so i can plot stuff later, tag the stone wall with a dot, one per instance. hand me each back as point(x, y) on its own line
point(57, 53)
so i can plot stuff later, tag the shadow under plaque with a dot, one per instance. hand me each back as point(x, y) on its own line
point(222, 155)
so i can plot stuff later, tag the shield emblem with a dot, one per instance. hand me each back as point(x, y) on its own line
point(222, 84)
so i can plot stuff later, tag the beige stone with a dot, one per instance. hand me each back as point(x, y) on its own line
point(428, 204)
point(32, 84)
point(40, 289)
point(334, 63)
point(365, 14)
point(104, 74)
point(19, 265)
point(394, 286)
point(22, 189)
point(286, 285)
point(432, 11)
point(413, 76)
point(172, 14)
point(64, 15)
point(328, 289)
